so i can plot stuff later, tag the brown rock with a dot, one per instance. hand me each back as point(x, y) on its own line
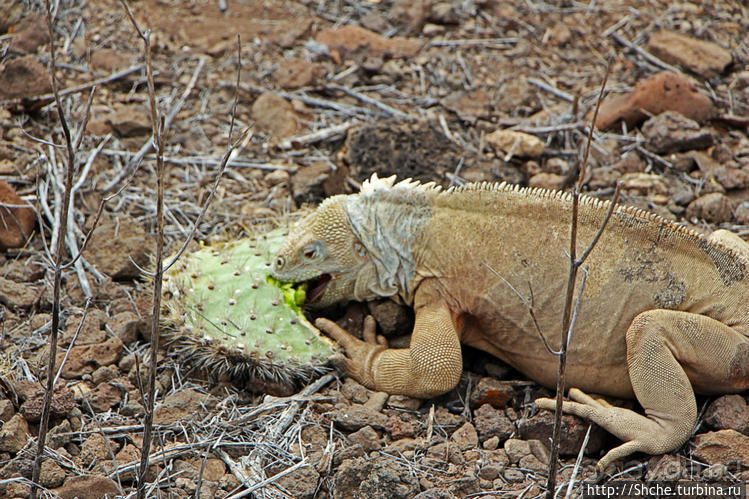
point(445, 13)
point(85, 359)
point(713, 208)
point(24, 271)
point(643, 184)
point(361, 477)
point(540, 427)
point(727, 176)
point(59, 435)
point(354, 391)
point(16, 295)
point(29, 34)
point(400, 427)
point(368, 438)
point(301, 483)
point(98, 126)
point(11, 12)
point(16, 223)
point(410, 14)
point(108, 60)
point(707, 59)
point(729, 412)
point(214, 470)
point(742, 213)
point(465, 437)
point(559, 34)
point(182, 405)
point(104, 397)
point(517, 97)
point(114, 242)
point(558, 166)
point(127, 454)
point(666, 468)
point(6, 410)
point(392, 318)
point(491, 391)
point(403, 402)
point(661, 92)
point(319, 180)
point(103, 375)
point(436, 493)
point(408, 150)
point(130, 121)
point(374, 21)
point(506, 142)
point(494, 463)
point(724, 447)
point(445, 452)
point(548, 181)
point(491, 422)
point(295, 73)
point(671, 132)
point(13, 434)
point(469, 106)
point(90, 331)
point(23, 77)
point(63, 402)
point(94, 449)
point(356, 417)
point(351, 38)
point(519, 450)
point(274, 115)
point(51, 475)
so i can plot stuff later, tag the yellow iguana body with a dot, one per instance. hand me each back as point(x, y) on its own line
point(664, 312)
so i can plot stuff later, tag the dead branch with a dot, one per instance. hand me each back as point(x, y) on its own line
point(34, 103)
point(568, 317)
point(644, 53)
point(373, 102)
point(157, 127)
point(60, 226)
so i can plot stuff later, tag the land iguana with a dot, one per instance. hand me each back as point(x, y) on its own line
point(664, 313)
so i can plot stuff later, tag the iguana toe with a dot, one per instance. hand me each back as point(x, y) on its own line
point(582, 397)
point(357, 362)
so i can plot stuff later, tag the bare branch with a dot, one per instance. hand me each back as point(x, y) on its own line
point(569, 317)
point(60, 227)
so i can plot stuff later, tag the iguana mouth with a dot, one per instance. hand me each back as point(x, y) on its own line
point(317, 287)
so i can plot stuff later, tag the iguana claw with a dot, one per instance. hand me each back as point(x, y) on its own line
point(359, 354)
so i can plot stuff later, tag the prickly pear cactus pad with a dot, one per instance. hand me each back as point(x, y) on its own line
point(227, 315)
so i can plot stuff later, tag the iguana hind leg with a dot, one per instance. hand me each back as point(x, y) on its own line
point(668, 352)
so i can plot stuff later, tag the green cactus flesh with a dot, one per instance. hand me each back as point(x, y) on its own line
point(229, 316)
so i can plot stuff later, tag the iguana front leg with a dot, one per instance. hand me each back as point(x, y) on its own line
point(668, 352)
point(430, 366)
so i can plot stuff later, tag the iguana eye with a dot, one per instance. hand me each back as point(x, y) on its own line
point(280, 262)
point(360, 249)
point(311, 252)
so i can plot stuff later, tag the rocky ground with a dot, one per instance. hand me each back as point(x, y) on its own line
point(333, 91)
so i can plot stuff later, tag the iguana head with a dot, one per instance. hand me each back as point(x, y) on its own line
point(359, 246)
point(323, 251)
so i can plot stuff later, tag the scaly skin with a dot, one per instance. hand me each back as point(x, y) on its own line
point(664, 313)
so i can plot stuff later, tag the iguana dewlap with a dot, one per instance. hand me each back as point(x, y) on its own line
point(664, 312)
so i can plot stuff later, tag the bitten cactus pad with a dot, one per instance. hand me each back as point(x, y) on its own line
point(227, 315)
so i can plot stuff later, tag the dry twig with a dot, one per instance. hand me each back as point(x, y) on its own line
point(61, 224)
point(568, 318)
